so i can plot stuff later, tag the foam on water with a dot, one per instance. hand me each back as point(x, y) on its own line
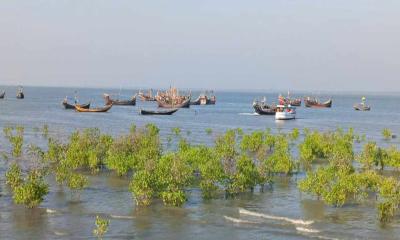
point(60, 233)
point(327, 238)
point(50, 211)
point(121, 217)
point(250, 114)
point(262, 215)
point(307, 230)
point(237, 220)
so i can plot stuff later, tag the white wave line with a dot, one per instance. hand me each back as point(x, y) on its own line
point(48, 210)
point(237, 220)
point(307, 230)
point(121, 217)
point(60, 233)
point(261, 215)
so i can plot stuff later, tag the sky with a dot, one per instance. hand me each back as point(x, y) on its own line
point(319, 45)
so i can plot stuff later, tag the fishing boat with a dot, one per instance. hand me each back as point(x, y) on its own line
point(146, 97)
point(72, 106)
point(172, 99)
point(2, 94)
point(289, 101)
point(285, 112)
point(362, 106)
point(204, 99)
point(172, 104)
point(101, 109)
point(20, 93)
point(262, 108)
point(158, 112)
point(314, 103)
point(110, 101)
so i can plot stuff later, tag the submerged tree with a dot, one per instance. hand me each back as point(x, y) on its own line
point(31, 190)
point(101, 227)
point(387, 134)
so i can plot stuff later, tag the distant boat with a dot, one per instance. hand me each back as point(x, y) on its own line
point(204, 99)
point(362, 106)
point(314, 103)
point(158, 112)
point(262, 108)
point(146, 97)
point(20, 93)
point(2, 94)
point(285, 112)
point(101, 109)
point(289, 101)
point(184, 104)
point(172, 99)
point(131, 102)
point(72, 106)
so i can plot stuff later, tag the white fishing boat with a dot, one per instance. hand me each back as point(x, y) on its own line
point(285, 112)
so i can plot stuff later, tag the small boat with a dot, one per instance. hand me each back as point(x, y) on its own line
point(146, 97)
point(158, 112)
point(204, 99)
point(314, 103)
point(262, 108)
point(285, 112)
point(72, 106)
point(362, 106)
point(20, 93)
point(102, 109)
point(130, 102)
point(2, 94)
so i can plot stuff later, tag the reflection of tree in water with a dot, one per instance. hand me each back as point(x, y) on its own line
point(32, 222)
point(313, 209)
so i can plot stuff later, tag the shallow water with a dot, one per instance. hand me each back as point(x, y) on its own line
point(61, 217)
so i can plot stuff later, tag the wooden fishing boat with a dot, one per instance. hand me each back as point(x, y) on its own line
point(289, 101)
point(158, 112)
point(285, 112)
point(314, 103)
point(110, 101)
point(146, 97)
point(102, 109)
point(172, 99)
point(173, 104)
point(362, 106)
point(262, 108)
point(20, 93)
point(2, 94)
point(72, 106)
point(293, 102)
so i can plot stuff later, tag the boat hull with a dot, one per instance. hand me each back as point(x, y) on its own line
point(110, 101)
point(285, 116)
point(71, 106)
point(165, 112)
point(313, 104)
point(184, 104)
point(263, 111)
point(361, 107)
point(97, 110)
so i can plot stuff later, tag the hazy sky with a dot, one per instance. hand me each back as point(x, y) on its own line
point(228, 44)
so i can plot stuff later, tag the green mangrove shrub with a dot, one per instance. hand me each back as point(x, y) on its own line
point(387, 134)
point(101, 227)
point(31, 190)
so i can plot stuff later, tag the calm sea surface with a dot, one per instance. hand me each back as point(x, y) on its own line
point(59, 217)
